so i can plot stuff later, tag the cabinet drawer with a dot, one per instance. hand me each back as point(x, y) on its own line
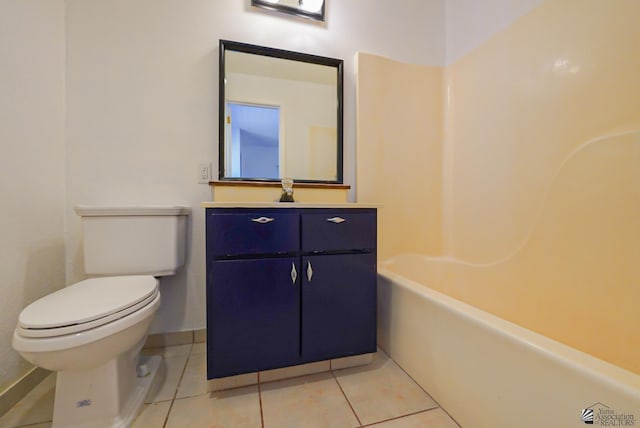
point(333, 231)
point(253, 233)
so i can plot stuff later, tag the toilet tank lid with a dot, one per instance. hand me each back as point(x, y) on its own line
point(130, 210)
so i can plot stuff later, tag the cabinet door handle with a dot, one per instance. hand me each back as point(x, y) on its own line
point(309, 271)
point(262, 220)
point(336, 220)
point(294, 273)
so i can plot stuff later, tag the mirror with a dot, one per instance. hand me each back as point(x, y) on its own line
point(280, 115)
point(313, 9)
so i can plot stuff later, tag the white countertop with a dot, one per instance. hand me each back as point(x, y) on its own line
point(287, 205)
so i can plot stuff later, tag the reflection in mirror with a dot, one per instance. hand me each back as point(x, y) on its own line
point(280, 115)
point(254, 133)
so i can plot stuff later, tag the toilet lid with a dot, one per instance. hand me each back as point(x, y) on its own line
point(87, 304)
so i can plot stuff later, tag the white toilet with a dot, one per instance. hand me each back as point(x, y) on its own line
point(91, 332)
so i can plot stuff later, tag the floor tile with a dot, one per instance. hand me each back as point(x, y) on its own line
point(381, 394)
point(166, 382)
point(199, 348)
point(382, 391)
point(36, 407)
point(309, 401)
point(153, 415)
point(238, 408)
point(435, 418)
point(194, 380)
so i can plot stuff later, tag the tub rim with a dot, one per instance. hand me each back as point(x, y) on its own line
point(566, 356)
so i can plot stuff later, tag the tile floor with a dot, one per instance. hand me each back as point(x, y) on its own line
point(379, 395)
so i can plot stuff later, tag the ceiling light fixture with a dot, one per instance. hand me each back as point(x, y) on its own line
point(312, 9)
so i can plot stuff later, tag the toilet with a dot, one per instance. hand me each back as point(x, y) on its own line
point(91, 332)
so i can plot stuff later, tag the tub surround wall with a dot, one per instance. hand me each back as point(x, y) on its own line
point(32, 132)
point(543, 166)
point(539, 174)
point(399, 152)
point(520, 105)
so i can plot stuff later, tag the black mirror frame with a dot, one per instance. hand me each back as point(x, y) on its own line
point(284, 54)
point(318, 16)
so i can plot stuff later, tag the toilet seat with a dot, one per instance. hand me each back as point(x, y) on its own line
point(86, 305)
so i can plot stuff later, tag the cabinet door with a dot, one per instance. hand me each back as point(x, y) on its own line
point(338, 305)
point(253, 315)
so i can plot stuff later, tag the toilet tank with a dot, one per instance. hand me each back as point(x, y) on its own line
point(133, 240)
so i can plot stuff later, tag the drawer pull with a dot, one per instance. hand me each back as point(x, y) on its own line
point(262, 220)
point(294, 274)
point(309, 271)
point(336, 220)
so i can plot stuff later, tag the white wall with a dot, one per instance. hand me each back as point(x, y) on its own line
point(31, 164)
point(142, 101)
point(469, 23)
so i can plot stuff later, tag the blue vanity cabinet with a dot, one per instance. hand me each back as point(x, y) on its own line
point(288, 286)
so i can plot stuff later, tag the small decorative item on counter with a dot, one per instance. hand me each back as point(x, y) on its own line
point(287, 190)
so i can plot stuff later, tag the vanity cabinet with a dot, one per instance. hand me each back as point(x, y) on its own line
point(288, 286)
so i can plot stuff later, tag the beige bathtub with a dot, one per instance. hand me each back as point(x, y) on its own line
point(488, 372)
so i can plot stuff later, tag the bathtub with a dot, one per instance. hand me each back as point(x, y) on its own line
point(488, 372)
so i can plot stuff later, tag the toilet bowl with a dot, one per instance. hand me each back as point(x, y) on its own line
point(86, 324)
point(91, 332)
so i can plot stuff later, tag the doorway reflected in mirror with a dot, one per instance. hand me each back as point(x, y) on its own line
point(253, 140)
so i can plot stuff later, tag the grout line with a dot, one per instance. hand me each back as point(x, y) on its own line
point(175, 393)
point(420, 386)
point(401, 417)
point(166, 418)
point(346, 398)
point(260, 400)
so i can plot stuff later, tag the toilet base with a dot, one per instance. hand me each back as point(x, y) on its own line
point(107, 396)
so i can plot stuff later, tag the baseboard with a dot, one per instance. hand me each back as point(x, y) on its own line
point(159, 340)
point(14, 393)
